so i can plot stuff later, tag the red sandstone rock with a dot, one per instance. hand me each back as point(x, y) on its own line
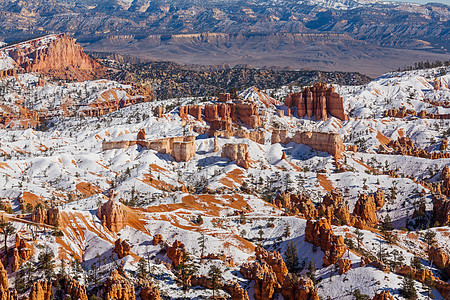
point(4, 284)
point(365, 208)
point(117, 287)
point(344, 265)
point(141, 134)
point(74, 289)
point(353, 148)
point(40, 290)
point(55, 55)
point(321, 235)
point(49, 216)
point(318, 100)
point(157, 238)
point(441, 209)
point(175, 252)
point(113, 216)
point(122, 248)
point(149, 291)
point(183, 151)
point(238, 153)
point(383, 295)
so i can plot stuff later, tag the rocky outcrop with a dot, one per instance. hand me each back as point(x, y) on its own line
point(117, 287)
point(238, 153)
point(183, 151)
point(50, 216)
point(41, 290)
point(441, 209)
point(73, 288)
point(112, 215)
point(365, 208)
point(149, 291)
point(383, 295)
point(54, 55)
point(24, 249)
point(122, 248)
point(404, 146)
point(344, 265)
point(271, 275)
point(157, 239)
point(175, 252)
point(321, 235)
point(318, 100)
point(141, 134)
point(440, 258)
point(4, 283)
point(320, 141)
point(264, 277)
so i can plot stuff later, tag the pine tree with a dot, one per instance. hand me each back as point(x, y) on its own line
point(7, 229)
point(142, 269)
point(386, 224)
point(408, 290)
point(185, 270)
point(201, 243)
point(311, 273)
point(287, 231)
point(416, 263)
point(429, 238)
point(216, 278)
point(359, 237)
point(291, 256)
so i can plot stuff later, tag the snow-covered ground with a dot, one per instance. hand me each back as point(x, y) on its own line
point(56, 165)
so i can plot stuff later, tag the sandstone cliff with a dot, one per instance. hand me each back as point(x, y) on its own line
point(54, 55)
point(238, 153)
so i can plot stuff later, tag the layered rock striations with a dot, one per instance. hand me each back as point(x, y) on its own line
point(238, 153)
point(54, 55)
point(318, 100)
point(320, 141)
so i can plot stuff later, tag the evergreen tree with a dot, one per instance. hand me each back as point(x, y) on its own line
point(201, 243)
point(408, 290)
point(291, 256)
point(416, 263)
point(142, 268)
point(185, 270)
point(386, 224)
point(7, 230)
point(359, 237)
point(216, 278)
point(47, 262)
point(287, 231)
point(311, 273)
point(429, 238)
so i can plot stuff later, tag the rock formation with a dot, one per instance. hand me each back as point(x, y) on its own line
point(175, 252)
point(320, 141)
point(271, 275)
point(238, 153)
point(321, 235)
point(117, 287)
point(157, 238)
point(141, 134)
point(122, 248)
point(404, 146)
point(344, 265)
point(318, 100)
point(440, 258)
point(41, 290)
point(383, 295)
point(113, 216)
point(50, 216)
point(73, 288)
point(54, 55)
point(441, 209)
point(149, 291)
point(365, 208)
